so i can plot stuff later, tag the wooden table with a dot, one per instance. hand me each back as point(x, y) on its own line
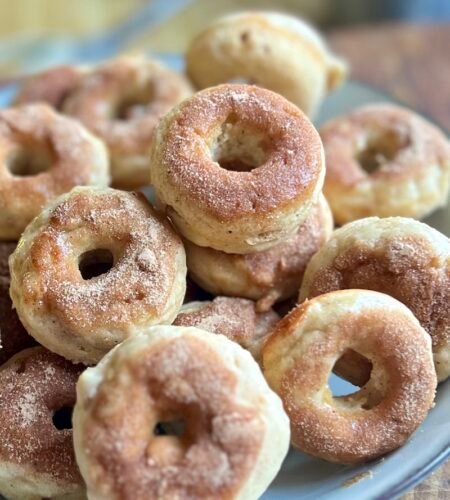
point(412, 63)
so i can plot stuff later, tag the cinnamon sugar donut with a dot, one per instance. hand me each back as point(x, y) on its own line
point(42, 155)
point(93, 268)
point(235, 318)
point(273, 50)
point(299, 356)
point(237, 168)
point(268, 276)
point(13, 336)
point(178, 413)
point(401, 257)
point(385, 160)
point(37, 392)
point(52, 86)
point(122, 101)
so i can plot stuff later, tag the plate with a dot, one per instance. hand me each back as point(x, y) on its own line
point(308, 478)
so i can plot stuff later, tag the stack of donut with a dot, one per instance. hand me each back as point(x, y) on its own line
point(201, 400)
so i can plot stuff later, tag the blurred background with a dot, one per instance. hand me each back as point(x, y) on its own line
point(399, 46)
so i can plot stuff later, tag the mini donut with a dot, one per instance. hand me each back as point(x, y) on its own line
point(52, 86)
point(122, 101)
point(235, 318)
point(42, 155)
point(387, 161)
point(13, 336)
point(299, 356)
point(401, 257)
point(276, 51)
point(268, 276)
point(37, 393)
point(224, 432)
point(96, 265)
point(237, 168)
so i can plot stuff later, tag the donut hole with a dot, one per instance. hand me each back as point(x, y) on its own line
point(94, 263)
point(29, 161)
point(350, 380)
point(237, 147)
point(173, 427)
point(380, 148)
point(62, 418)
point(133, 105)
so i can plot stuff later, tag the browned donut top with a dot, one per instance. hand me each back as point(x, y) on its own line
point(405, 268)
point(235, 318)
point(51, 86)
point(123, 100)
point(34, 130)
point(290, 144)
point(383, 414)
point(145, 252)
point(180, 379)
point(33, 386)
point(399, 141)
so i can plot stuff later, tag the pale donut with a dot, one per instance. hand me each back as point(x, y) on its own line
point(122, 101)
point(299, 356)
point(268, 276)
point(234, 433)
point(237, 168)
point(273, 50)
point(42, 155)
point(51, 86)
point(143, 280)
point(235, 318)
point(385, 160)
point(36, 454)
point(401, 257)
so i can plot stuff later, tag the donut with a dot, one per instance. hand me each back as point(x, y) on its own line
point(177, 412)
point(237, 168)
point(235, 318)
point(52, 86)
point(268, 276)
point(384, 160)
point(401, 257)
point(299, 356)
point(93, 268)
point(273, 50)
point(42, 155)
point(13, 336)
point(37, 460)
point(122, 101)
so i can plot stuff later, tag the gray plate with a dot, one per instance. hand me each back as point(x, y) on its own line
point(304, 477)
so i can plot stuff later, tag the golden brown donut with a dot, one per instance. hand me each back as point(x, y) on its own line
point(299, 356)
point(273, 50)
point(42, 155)
point(37, 393)
point(177, 412)
point(268, 276)
point(122, 101)
point(235, 318)
point(385, 160)
point(52, 86)
point(237, 168)
point(401, 257)
point(95, 266)
point(13, 336)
